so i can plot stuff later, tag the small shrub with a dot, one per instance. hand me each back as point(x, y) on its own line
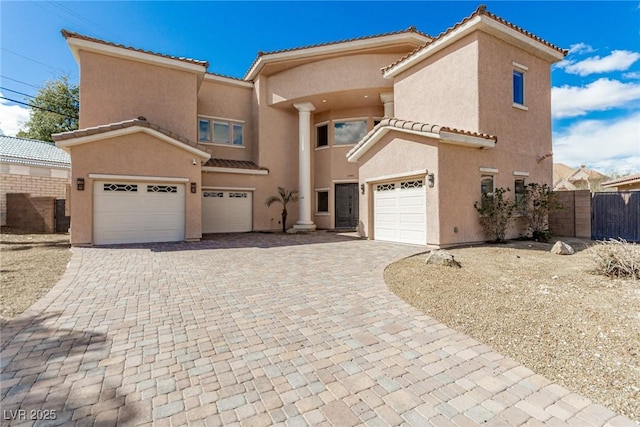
point(617, 258)
point(538, 201)
point(496, 213)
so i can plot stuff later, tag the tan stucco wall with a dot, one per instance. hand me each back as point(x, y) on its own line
point(442, 89)
point(114, 90)
point(130, 155)
point(232, 102)
point(347, 73)
point(398, 153)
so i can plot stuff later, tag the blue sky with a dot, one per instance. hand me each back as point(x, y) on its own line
point(596, 91)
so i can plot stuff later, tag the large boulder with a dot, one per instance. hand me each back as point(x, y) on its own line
point(441, 257)
point(561, 248)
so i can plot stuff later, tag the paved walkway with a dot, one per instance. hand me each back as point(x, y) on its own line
point(257, 330)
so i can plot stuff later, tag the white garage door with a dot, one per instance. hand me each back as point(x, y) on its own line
point(138, 212)
point(227, 211)
point(400, 212)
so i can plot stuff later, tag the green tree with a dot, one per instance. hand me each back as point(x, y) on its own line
point(496, 213)
point(54, 109)
point(284, 197)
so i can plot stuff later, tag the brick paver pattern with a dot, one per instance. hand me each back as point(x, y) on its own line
point(256, 330)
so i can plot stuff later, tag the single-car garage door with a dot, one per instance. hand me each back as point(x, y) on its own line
point(138, 212)
point(400, 212)
point(227, 211)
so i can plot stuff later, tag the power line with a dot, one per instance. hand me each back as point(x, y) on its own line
point(34, 60)
point(15, 91)
point(39, 108)
point(18, 81)
point(74, 13)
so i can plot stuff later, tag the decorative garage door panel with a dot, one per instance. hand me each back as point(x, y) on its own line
point(400, 212)
point(227, 211)
point(138, 212)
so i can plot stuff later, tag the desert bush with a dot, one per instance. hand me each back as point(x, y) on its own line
point(617, 258)
point(538, 201)
point(496, 213)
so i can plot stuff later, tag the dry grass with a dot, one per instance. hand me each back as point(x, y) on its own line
point(617, 258)
point(549, 312)
point(31, 264)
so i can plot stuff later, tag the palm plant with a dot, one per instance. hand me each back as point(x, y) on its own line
point(284, 197)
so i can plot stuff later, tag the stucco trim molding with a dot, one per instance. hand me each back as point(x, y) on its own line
point(396, 176)
point(67, 143)
point(235, 170)
point(106, 176)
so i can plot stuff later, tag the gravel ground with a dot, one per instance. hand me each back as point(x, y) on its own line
point(546, 311)
point(30, 265)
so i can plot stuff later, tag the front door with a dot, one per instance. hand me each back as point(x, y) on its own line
point(346, 205)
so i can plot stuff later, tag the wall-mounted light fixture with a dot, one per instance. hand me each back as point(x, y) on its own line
point(431, 179)
point(194, 162)
point(193, 187)
point(80, 184)
point(361, 188)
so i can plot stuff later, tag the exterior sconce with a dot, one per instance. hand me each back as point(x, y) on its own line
point(80, 184)
point(362, 189)
point(194, 162)
point(431, 180)
point(193, 187)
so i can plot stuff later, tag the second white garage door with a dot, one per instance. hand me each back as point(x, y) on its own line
point(227, 211)
point(137, 212)
point(400, 212)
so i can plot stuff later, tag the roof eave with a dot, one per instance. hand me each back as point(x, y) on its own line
point(483, 23)
point(332, 49)
point(444, 136)
point(65, 142)
point(220, 169)
point(76, 45)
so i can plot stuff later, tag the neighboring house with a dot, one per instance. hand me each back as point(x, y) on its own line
point(625, 183)
point(34, 167)
point(566, 178)
point(395, 134)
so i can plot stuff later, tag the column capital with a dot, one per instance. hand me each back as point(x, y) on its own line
point(304, 107)
point(386, 97)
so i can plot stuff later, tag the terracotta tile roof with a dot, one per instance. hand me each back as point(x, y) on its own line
point(32, 152)
point(418, 127)
point(69, 34)
point(226, 76)
point(481, 10)
point(622, 180)
point(140, 121)
point(411, 29)
point(234, 164)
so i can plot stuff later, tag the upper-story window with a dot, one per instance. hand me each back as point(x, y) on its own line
point(349, 132)
point(322, 135)
point(519, 71)
point(220, 131)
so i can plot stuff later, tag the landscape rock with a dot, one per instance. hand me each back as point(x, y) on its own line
point(561, 248)
point(441, 257)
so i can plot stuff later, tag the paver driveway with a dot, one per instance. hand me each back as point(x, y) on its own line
point(258, 329)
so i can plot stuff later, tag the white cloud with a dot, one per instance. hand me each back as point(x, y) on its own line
point(12, 117)
point(617, 60)
point(632, 75)
point(604, 145)
point(603, 94)
point(580, 48)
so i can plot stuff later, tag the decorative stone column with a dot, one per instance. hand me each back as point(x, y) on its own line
point(304, 167)
point(387, 99)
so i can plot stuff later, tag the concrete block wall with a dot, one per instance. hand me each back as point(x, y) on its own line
point(36, 186)
point(34, 214)
point(574, 219)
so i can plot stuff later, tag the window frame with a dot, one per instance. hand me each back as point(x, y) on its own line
point(486, 177)
point(519, 200)
point(234, 128)
point(364, 120)
point(324, 191)
point(518, 97)
point(318, 126)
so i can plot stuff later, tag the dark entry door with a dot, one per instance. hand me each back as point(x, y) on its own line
point(346, 205)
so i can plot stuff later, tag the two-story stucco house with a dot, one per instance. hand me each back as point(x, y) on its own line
point(395, 134)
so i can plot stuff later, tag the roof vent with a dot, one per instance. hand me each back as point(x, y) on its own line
point(143, 118)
